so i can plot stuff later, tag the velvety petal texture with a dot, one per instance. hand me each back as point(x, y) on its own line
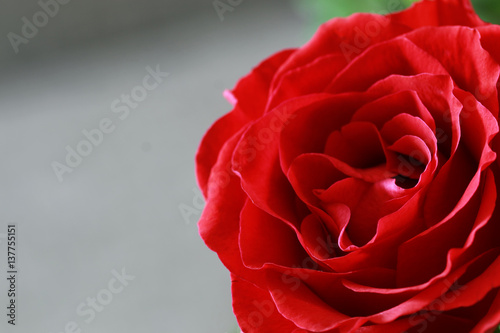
point(354, 185)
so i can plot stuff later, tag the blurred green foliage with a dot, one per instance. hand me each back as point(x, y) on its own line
point(323, 10)
point(489, 10)
point(320, 11)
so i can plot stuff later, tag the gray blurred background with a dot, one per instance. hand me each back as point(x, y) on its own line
point(131, 204)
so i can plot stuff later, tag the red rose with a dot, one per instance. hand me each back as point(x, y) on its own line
point(353, 187)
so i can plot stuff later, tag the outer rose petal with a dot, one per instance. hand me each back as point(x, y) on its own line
point(248, 108)
point(252, 91)
point(438, 13)
point(396, 56)
point(219, 222)
point(459, 50)
point(342, 36)
point(297, 82)
point(255, 310)
point(489, 40)
point(213, 141)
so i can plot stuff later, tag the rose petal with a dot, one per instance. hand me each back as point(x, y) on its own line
point(398, 56)
point(443, 106)
point(438, 13)
point(257, 162)
point(471, 67)
point(317, 238)
point(489, 40)
point(213, 141)
point(252, 91)
point(345, 36)
point(310, 78)
point(491, 319)
point(357, 144)
point(255, 310)
point(387, 107)
point(425, 256)
point(277, 241)
point(316, 123)
point(248, 108)
point(219, 223)
point(479, 126)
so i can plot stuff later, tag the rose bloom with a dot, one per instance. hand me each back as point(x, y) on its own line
point(353, 187)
